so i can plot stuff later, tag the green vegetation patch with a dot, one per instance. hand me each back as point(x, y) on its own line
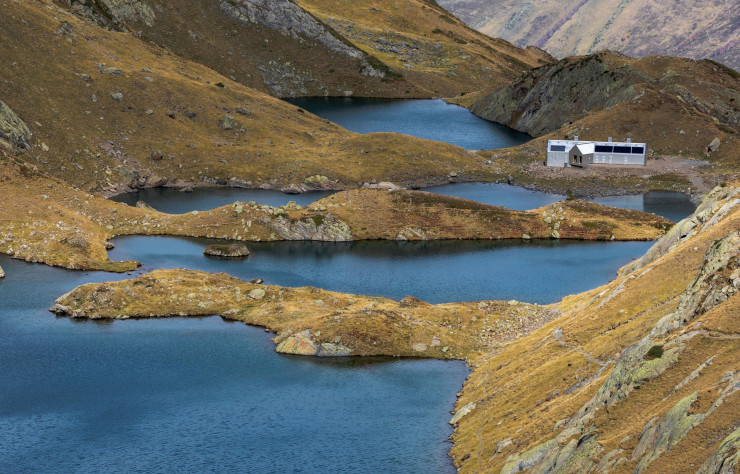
point(655, 352)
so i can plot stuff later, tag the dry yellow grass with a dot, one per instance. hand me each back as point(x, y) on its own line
point(166, 127)
point(43, 219)
point(365, 325)
point(544, 379)
point(428, 46)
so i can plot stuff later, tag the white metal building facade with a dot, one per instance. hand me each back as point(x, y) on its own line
point(604, 153)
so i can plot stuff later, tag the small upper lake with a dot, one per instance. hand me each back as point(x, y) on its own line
point(201, 395)
point(671, 205)
point(431, 119)
point(174, 201)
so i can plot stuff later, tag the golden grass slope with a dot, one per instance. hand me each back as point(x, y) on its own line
point(44, 220)
point(398, 48)
point(592, 391)
point(108, 112)
point(273, 58)
point(429, 47)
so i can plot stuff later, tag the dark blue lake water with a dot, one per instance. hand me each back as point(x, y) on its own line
point(673, 206)
point(173, 201)
point(200, 395)
point(434, 271)
point(431, 119)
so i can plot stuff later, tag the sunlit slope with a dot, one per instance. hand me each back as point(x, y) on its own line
point(323, 48)
point(427, 45)
point(638, 375)
point(109, 112)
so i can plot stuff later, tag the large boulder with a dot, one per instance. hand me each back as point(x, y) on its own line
point(227, 250)
point(13, 131)
point(2, 273)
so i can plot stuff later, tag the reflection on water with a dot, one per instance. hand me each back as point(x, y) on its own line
point(173, 201)
point(434, 271)
point(671, 205)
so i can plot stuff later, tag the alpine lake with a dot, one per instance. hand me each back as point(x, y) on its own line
point(204, 394)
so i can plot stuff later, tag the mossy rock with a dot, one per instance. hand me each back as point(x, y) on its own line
point(227, 250)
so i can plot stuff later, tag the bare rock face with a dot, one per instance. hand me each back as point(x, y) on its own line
point(2, 273)
point(227, 250)
point(542, 101)
point(302, 344)
point(320, 227)
point(114, 14)
point(546, 98)
point(13, 131)
point(713, 146)
point(289, 19)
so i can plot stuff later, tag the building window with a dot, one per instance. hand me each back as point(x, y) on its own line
point(622, 149)
point(604, 149)
point(638, 150)
point(557, 147)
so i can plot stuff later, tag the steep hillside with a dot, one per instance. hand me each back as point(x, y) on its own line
point(636, 27)
point(639, 375)
point(107, 112)
point(293, 49)
point(425, 44)
point(678, 106)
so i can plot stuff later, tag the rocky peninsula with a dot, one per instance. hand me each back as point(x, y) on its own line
point(71, 228)
point(630, 374)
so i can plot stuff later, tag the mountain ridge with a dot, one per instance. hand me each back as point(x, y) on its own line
point(636, 27)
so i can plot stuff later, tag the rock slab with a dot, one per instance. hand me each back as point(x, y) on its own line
point(227, 250)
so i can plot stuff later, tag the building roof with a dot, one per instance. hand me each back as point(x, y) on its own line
point(585, 148)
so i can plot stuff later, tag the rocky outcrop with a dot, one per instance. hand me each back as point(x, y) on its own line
point(226, 250)
point(547, 98)
point(2, 273)
point(544, 99)
point(302, 344)
point(717, 204)
point(115, 14)
point(13, 131)
point(320, 227)
point(289, 19)
point(725, 458)
point(575, 448)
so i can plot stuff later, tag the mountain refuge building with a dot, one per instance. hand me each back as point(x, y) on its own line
point(579, 153)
